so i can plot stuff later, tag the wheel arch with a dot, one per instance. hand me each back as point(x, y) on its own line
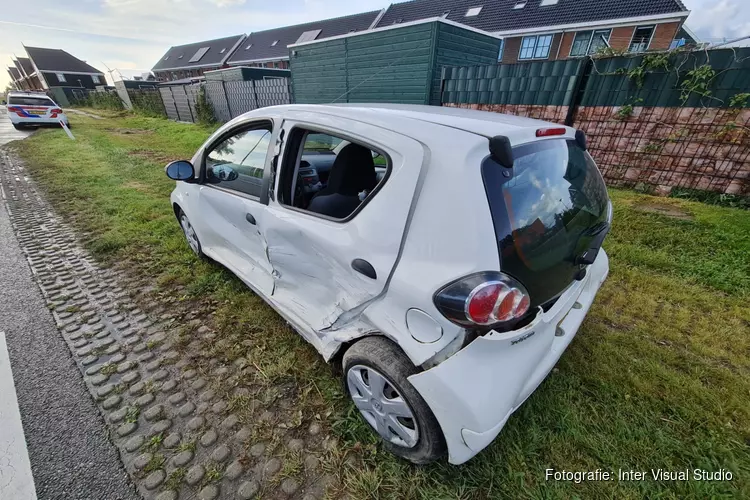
point(176, 208)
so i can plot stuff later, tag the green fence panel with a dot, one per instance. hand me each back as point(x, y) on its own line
point(613, 81)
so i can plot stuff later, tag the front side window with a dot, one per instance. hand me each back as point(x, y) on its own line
point(329, 175)
point(535, 47)
point(95, 79)
point(641, 39)
point(60, 77)
point(238, 162)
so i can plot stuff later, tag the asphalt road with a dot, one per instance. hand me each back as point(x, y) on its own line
point(71, 455)
point(7, 132)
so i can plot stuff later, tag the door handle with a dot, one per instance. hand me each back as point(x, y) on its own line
point(364, 267)
point(250, 218)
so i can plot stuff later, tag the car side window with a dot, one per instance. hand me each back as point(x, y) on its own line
point(238, 162)
point(329, 175)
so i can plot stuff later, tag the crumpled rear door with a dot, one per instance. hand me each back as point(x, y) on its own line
point(312, 256)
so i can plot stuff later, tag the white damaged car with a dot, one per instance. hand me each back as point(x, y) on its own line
point(445, 257)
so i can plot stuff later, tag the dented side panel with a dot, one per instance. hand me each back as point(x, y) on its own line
point(311, 256)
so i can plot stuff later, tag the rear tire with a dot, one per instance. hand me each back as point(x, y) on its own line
point(18, 126)
point(416, 438)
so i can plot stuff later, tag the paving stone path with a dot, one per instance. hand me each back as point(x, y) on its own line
point(176, 436)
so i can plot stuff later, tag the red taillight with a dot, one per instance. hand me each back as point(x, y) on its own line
point(546, 132)
point(56, 110)
point(481, 303)
point(495, 302)
point(483, 299)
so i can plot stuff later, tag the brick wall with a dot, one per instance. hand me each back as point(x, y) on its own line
point(663, 36)
point(510, 50)
point(567, 43)
point(659, 147)
point(620, 37)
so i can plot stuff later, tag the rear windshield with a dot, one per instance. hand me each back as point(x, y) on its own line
point(546, 215)
point(29, 101)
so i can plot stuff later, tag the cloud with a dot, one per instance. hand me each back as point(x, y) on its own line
point(135, 33)
point(715, 20)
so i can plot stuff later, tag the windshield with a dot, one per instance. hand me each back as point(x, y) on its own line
point(546, 215)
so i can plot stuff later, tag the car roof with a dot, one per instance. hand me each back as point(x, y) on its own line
point(28, 94)
point(483, 123)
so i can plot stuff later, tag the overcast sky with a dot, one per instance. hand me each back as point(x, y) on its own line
point(131, 35)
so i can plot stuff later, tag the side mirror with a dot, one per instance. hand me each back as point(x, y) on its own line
point(180, 170)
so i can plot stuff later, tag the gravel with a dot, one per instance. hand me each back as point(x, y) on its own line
point(70, 452)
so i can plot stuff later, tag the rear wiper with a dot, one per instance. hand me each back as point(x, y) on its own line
point(599, 232)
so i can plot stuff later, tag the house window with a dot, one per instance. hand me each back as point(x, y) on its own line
point(641, 38)
point(222, 50)
point(249, 46)
point(473, 11)
point(535, 47)
point(545, 3)
point(274, 43)
point(588, 42)
point(519, 5)
point(199, 54)
point(180, 56)
point(60, 77)
point(95, 79)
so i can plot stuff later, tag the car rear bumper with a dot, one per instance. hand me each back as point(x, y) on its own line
point(474, 392)
point(18, 120)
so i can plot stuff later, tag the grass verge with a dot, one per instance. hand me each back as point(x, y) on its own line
point(658, 377)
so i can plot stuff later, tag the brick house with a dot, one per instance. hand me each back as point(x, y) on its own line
point(268, 48)
point(193, 59)
point(556, 29)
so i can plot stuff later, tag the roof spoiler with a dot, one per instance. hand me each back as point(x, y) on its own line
point(501, 151)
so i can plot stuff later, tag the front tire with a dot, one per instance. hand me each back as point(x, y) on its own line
point(190, 235)
point(375, 375)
